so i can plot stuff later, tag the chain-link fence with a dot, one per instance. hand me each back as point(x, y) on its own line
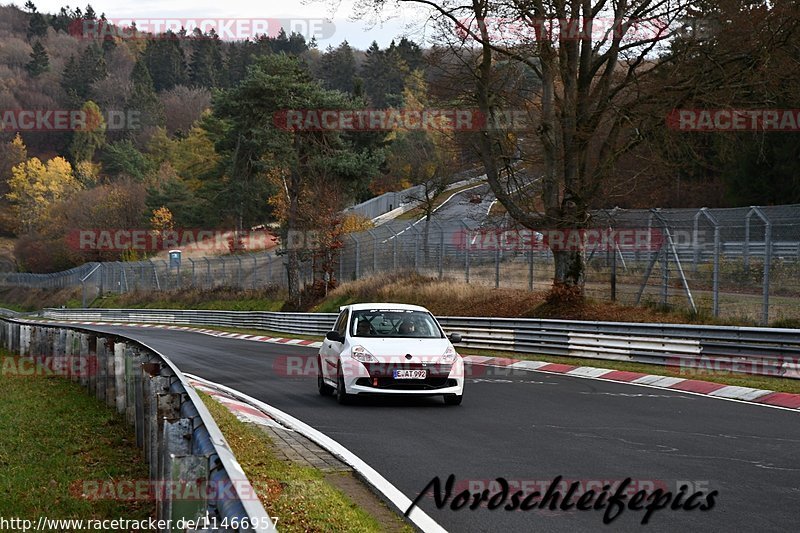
point(741, 264)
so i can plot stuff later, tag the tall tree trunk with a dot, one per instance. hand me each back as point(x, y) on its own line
point(292, 253)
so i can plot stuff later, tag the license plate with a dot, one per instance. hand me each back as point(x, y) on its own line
point(410, 374)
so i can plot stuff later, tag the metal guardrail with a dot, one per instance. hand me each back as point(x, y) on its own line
point(193, 472)
point(768, 351)
point(300, 323)
point(7, 312)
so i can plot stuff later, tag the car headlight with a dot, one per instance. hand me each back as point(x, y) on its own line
point(362, 355)
point(449, 355)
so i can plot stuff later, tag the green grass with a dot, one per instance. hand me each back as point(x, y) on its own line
point(298, 496)
point(244, 304)
point(14, 307)
point(332, 303)
point(54, 437)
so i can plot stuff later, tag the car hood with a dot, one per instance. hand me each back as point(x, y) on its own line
point(389, 348)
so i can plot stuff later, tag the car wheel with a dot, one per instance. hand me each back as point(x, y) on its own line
point(324, 388)
point(341, 394)
point(453, 399)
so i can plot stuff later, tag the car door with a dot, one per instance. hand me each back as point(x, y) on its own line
point(332, 349)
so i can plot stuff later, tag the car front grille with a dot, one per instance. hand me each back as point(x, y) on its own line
point(388, 382)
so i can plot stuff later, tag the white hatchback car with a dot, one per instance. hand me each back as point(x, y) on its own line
point(384, 348)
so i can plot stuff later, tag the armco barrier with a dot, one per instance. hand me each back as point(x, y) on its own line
point(193, 472)
point(770, 351)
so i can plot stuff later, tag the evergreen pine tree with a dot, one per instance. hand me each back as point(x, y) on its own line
point(40, 61)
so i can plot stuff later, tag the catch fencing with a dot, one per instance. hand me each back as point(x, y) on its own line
point(740, 264)
point(193, 473)
point(766, 351)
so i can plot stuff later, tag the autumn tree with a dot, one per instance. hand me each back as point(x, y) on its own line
point(35, 186)
point(297, 161)
point(422, 157)
point(89, 138)
point(589, 59)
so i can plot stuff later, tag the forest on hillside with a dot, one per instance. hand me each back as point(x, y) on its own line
point(205, 151)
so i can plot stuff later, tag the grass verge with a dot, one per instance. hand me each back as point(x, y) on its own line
point(55, 437)
point(299, 496)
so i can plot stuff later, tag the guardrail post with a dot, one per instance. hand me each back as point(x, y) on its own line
point(98, 386)
point(188, 470)
point(120, 387)
point(176, 441)
point(93, 360)
point(110, 385)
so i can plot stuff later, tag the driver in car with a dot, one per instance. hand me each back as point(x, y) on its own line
point(406, 328)
point(362, 329)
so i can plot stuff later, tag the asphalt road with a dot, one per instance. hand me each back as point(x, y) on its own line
point(529, 428)
point(460, 208)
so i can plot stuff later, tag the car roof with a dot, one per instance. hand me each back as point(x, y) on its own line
point(384, 305)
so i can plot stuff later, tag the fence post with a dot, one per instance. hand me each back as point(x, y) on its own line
point(664, 279)
point(441, 249)
point(746, 249)
point(416, 249)
point(466, 251)
point(255, 270)
point(497, 260)
point(613, 273)
point(374, 251)
point(358, 256)
point(767, 257)
point(239, 272)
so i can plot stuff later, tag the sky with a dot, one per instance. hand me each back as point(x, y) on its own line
point(330, 21)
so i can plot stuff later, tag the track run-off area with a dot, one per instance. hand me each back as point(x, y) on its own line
point(529, 428)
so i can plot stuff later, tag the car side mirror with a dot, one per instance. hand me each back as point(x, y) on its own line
point(455, 338)
point(334, 336)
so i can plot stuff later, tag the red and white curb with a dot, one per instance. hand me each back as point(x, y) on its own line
point(783, 400)
point(366, 472)
point(211, 332)
point(242, 410)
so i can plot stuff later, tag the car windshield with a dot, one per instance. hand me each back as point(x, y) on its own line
point(394, 323)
